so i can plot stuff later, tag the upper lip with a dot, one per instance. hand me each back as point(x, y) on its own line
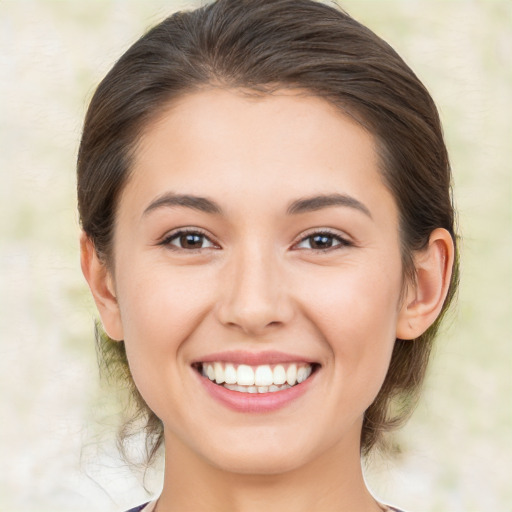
point(253, 358)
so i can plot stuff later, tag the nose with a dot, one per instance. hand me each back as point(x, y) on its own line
point(255, 296)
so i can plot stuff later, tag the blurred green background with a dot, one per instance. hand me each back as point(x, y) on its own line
point(57, 425)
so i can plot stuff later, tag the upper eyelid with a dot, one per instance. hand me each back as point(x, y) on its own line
point(186, 230)
point(323, 231)
point(344, 242)
point(304, 235)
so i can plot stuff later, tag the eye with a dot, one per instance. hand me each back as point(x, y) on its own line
point(322, 241)
point(188, 240)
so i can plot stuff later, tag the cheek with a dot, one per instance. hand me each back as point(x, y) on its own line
point(355, 300)
point(160, 308)
point(356, 312)
point(160, 304)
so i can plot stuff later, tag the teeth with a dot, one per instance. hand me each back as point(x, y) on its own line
point(258, 379)
point(229, 374)
point(263, 376)
point(279, 375)
point(291, 374)
point(256, 389)
point(219, 373)
point(245, 375)
point(303, 373)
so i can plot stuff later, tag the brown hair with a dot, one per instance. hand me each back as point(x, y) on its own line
point(266, 45)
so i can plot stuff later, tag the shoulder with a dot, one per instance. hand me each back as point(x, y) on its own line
point(147, 507)
point(137, 509)
point(389, 508)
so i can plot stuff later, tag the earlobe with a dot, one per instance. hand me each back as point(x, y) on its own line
point(425, 298)
point(101, 285)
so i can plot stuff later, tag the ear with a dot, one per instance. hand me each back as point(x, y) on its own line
point(425, 297)
point(101, 284)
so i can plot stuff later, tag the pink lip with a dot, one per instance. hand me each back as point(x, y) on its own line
point(253, 358)
point(254, 402)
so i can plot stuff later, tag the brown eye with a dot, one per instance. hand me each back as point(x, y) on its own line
point(323, 242)
point(189, 240)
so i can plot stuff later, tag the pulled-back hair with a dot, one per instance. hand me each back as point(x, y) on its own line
point(266, 45)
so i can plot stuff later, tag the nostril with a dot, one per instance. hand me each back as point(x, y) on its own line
point(254, 300)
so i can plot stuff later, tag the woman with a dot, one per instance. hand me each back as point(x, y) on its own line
point(268, 234)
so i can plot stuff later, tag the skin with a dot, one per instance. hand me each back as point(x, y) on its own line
point(258, 283)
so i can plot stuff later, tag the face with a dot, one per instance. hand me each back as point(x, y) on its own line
point(257, 247)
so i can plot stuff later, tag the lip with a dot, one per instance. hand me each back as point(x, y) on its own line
point(253, 358)
point(254, 402)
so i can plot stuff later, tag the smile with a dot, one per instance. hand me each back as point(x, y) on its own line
point(264, 378)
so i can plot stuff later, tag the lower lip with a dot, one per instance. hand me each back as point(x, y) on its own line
point(255, 402)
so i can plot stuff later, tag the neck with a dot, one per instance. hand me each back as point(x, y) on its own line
point(332, 482)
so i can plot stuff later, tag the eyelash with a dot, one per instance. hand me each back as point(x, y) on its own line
point(167, 241)
point(326, 233)
point(342, 242)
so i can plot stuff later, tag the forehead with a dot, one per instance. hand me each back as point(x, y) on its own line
point(229, 143)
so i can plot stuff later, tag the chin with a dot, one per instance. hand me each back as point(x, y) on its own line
point(258, 464)
point(266, 457)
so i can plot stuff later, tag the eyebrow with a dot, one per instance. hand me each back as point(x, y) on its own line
point(318, 202)
point(303, 205)
point(170, 200)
